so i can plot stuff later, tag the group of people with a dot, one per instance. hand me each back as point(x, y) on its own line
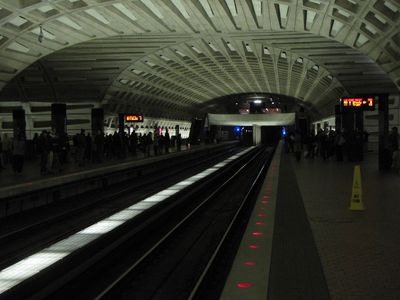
point(120, 144)
point(340, 144)
point(328, 143)
point(393, 145)
point(54, 150)
point(12, 151)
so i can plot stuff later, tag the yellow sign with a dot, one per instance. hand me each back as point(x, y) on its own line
point(134, 118)
point(356, 202)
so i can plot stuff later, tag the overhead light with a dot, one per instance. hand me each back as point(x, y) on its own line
point(232, 7)
point(179, 5)
point(98, 16)
point(196, 50)
point(391, 6)
point(248, 48)
point(18, 21)
point(180, 53)
point(230, 46)
point(150, 5)
point(149, 63)
point(207, 8)
point(123, 9)
point(257, 5)
point(213, 47)
point(257, 101)
point(69, 22)
point(164, 57)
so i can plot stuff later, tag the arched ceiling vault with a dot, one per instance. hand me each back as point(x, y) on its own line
point(168, 57)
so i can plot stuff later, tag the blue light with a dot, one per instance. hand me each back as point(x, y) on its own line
point(237, 129)
point(284, 133)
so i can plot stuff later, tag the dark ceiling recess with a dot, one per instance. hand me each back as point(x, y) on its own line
point(254, 103)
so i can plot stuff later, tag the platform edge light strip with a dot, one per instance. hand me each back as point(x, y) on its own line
point(35, 263)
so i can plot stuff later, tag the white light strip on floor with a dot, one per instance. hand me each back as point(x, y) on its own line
point(39, 261)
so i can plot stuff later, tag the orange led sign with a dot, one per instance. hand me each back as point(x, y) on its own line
point(134, 118)
point(359, 103)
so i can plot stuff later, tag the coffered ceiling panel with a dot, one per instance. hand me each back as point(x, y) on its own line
point(170, 57)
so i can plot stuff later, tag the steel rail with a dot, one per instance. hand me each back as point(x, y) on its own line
point(20, 232)
point(106, 290)
point(228, 230)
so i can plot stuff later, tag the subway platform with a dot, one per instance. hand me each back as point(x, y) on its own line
point(22, 192)
point(31, 169)
point(310, 245)
point(359, 250)
point(316, 247)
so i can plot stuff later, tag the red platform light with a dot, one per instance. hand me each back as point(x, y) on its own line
point(244, 285)
point(257, 233)
point(253, 247)
point(261, 215)
point(264, 202)
point(260, 223)
point(249, 263)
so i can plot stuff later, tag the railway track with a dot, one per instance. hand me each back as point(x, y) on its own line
point(162, 247)
point(21, 240)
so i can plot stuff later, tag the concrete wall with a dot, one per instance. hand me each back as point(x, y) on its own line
point(148, 125)
point(371, 121)
point(38, 117)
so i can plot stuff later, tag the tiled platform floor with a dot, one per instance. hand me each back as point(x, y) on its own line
point(296, 271)
point(359, 250)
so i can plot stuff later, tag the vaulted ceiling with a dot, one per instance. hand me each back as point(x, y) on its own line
point(171, 57)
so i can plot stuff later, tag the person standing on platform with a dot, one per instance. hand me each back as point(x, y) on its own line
point(331, 142)
point(365, 140)
point(339, 144)
point(133, 142)
point(358, 145)
point(99, 147)
point(310, 141)
point(167, 141)
point(56, 149)
point(43, 150)
point(81, 141)
point(88, 147)
point(64, 148)
point(142, 142)
point(324, 145)
point(1, 155)
point(393, 143)
point(148, 142)
point(18, 153)
point(35, 144)
point(51, 152)
point(297, 145)
point(6, 149)
point(155, 142)
point(179, 142)
point(160, 144)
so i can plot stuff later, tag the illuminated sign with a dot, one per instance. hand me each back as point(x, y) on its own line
point(134, 118)
point(359, 103)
